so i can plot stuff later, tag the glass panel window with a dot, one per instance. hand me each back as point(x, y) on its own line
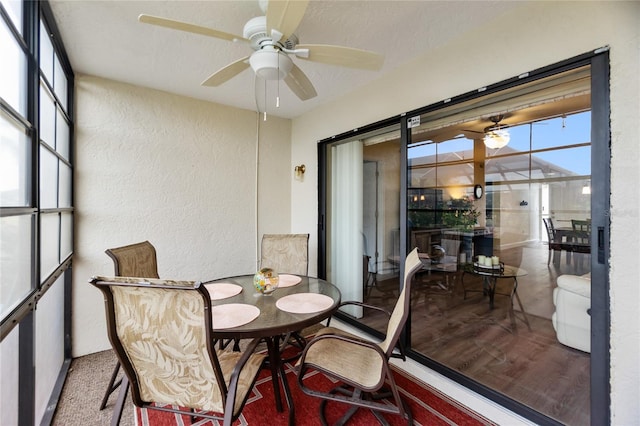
point(10, 365)
point(49, 243)
point(561, 131)
point(511, 167)
point(46, 53)
point(64, 190)
point(66, 235)
point(48, 179)
point(422, 153)
point(422, 176)
point(455, 175)
point(14, 10)
point(47, 117)
point(49, 353)
point(62, 135)
point(15, 159)
point(566, 162)
point(60, 83)
point(15, 260)
point(519, 141)
point(454, 150)
point(13, 86)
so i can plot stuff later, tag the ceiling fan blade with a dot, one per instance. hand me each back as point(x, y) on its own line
point(285, 16)
point(227, 73)
point(190, 28)
point(343, 56)
point(300, 84)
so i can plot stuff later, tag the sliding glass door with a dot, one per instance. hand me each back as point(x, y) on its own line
point(499, 190)
point(471, 201)
point(363, 221)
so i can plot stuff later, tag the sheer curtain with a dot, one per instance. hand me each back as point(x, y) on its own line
point(346, 244)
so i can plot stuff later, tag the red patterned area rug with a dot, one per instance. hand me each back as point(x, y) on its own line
point(428, 406)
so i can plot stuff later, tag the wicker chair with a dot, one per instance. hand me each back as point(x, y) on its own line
point(134, 260)
point(360, 365)
point(150, 320)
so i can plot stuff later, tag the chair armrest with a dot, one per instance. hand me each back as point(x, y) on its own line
point(347, 338)
point(230, 391)
point(364, 305)
point(244, 358)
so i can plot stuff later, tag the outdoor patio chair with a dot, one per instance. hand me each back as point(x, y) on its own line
point(133, 260)
point(151, 320)
point(361, 366)
point(286, 254)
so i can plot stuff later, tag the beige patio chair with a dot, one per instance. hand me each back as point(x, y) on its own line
point(362, 366)
point(133, 260)
point(285, 253)
point(149, 320)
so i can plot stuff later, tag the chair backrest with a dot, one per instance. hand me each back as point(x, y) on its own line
point(548, 224)
point(581, 225)
point(451, 250)
point(161, 333)
point(135, 260)
point(581, 230)
point(285, 253)
point(401, 311)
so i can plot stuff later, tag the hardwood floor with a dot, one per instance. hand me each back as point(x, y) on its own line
point(495, 347)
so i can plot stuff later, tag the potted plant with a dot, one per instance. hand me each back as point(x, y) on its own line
point(461, 214)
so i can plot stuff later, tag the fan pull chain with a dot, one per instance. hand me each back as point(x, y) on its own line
point(265, 101)
point(255, 92)
point(278, 85)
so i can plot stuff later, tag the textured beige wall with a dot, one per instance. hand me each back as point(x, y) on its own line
point(178, 172)
point(533, 35)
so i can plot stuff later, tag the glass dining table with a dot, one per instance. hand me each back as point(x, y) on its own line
point(241, 312)
point(490, 277)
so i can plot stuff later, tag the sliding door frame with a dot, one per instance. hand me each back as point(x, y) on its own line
point(598, 60)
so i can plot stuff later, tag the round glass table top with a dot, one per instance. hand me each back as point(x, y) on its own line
point(273, 320)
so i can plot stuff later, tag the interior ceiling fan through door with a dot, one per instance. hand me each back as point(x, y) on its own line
point(274, 43)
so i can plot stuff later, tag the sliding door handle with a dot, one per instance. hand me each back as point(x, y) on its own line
point(601, 244)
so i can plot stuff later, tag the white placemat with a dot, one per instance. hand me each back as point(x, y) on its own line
point(219, 291)
point(288, 280)
point(304, 303)
point(233, 315)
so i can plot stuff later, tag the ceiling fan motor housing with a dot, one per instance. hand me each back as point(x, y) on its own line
point(270, 63)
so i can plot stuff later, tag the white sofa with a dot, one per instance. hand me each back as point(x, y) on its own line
point(571, 320)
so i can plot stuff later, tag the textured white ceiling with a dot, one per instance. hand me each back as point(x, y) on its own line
point(105, 39)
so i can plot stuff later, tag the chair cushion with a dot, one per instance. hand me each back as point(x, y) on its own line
point(228, 361)
point(356, 364)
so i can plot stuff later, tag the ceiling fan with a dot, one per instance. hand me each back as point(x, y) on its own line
point(494, 136)
point(274, 43)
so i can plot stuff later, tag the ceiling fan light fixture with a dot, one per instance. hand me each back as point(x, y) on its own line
point(495, 139)
point(270, 63)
